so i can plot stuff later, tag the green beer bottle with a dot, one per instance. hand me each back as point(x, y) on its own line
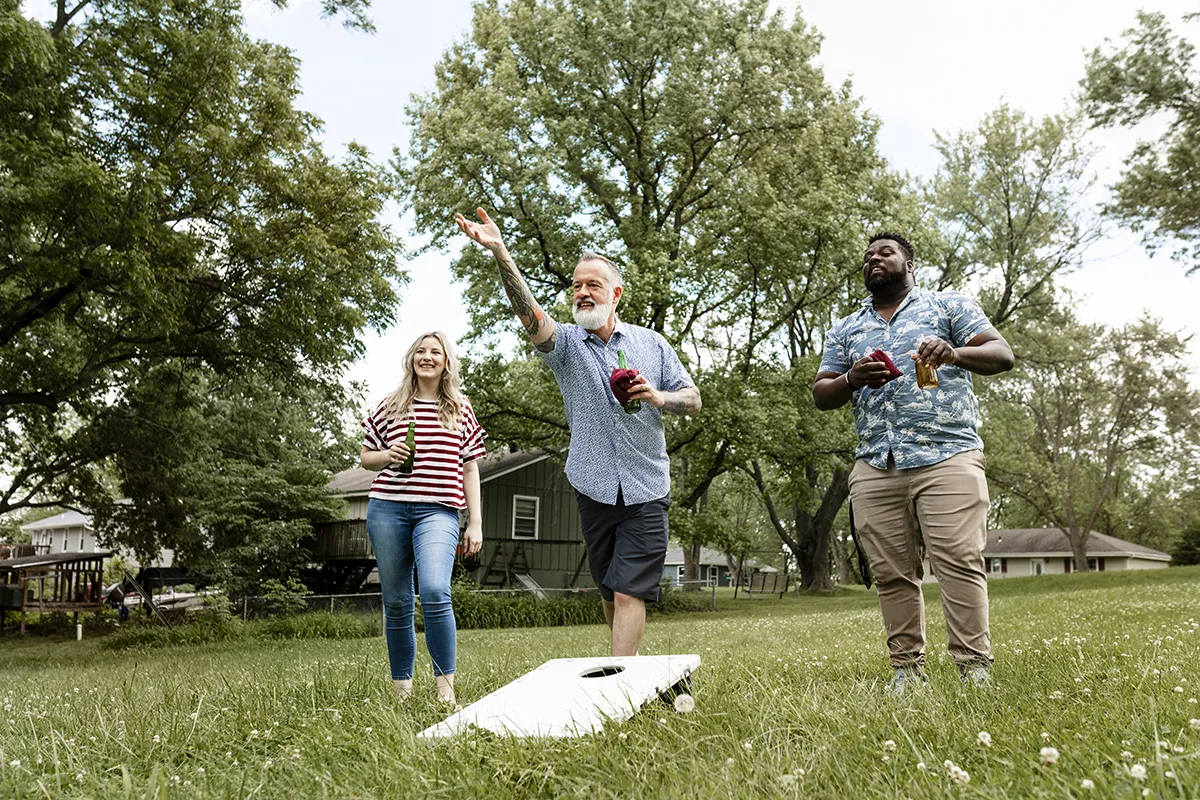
point(633, 406)
point(410, 440)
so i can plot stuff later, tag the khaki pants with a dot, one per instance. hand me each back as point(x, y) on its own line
point(946, 504)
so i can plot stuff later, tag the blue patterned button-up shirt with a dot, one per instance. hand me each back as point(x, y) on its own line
point(610, 448)
point(919, 427)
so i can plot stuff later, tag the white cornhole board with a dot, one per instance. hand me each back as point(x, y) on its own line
point(556, 700)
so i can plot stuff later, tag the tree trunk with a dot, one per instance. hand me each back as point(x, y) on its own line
point(810, 544)
point(735, 567)
point(841, 556)
point(1079, 549)
point(815, 572)
point(814, 533)
point(691, 567)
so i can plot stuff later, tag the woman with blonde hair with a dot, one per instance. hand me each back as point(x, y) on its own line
point(412, 513)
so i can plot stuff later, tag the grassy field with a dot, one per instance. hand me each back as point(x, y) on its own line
point(1103, 668)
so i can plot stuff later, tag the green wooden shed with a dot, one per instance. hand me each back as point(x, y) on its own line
point(531, 533)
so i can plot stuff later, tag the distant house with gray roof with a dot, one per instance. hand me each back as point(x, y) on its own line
point(1018, 552)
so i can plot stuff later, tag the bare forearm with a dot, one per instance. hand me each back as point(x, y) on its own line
point(685, 401)
point(375, 460)
point(989, 358)
point(471, 490)
point(539, 328)
point(831, 393)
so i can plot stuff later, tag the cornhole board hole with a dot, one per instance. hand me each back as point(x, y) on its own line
point(568, 697)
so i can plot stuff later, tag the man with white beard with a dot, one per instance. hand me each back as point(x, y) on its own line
point(617, 461)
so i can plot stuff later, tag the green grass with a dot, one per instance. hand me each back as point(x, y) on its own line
point(789, 703)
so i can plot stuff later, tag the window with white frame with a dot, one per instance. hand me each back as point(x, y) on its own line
point(525, 516)
point(997, 567)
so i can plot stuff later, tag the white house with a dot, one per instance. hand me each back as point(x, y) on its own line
point(714, 566)
point(1018, 552)
point(72, 532)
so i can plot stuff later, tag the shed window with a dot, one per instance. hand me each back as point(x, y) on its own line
point(525, 517)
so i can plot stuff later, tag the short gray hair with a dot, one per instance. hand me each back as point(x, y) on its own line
point(613, 269)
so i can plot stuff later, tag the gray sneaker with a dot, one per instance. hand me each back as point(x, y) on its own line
point(978, 676)
point(906, 679)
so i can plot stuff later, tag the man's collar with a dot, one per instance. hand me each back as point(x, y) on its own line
point(618, 327)
point(869, 301)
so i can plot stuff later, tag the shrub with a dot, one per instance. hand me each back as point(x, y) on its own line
point(317, 625)
point(151, 634)
point(284, 599)
point(672, 600)
point(475, 609)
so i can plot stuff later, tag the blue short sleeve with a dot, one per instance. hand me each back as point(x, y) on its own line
point(675, 376)
point(967, 319)
point(834, 358)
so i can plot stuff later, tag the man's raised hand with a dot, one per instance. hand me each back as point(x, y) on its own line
point(486, 232)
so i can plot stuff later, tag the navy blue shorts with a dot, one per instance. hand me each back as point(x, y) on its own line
point(626, 545)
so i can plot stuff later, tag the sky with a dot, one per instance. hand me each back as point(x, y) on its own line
point(920, 67)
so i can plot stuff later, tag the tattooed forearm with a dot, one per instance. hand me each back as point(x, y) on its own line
point(548, 345)
point(519, 296)
point(685, 401)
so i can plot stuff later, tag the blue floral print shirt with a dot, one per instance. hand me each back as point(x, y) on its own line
point(918, 427)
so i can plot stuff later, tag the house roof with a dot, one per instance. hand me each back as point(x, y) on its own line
point(357, 481)
point(67, 519)
point(708, 557)
point(1053, 542)
point(47, 560)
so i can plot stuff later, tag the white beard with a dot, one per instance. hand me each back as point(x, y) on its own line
point(594, 318)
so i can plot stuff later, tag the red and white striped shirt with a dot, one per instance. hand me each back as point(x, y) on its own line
point(437, 475)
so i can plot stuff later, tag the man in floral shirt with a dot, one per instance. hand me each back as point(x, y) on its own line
point(919, 468)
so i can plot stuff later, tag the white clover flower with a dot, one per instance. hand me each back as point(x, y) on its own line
point(685, 703)
point(622, 736)
point(984, 738)
point(1126, 756)
point(1138, 772)
point(1049, 755)
point(1145, 792)
point(960, 776)
point(747, 745)
point(1087, 785)
point(787, 780)
point(1045, 736)
point(16, 762)
point(921, 766)
point(1170, 774)
point(889, 746)
point(1195, 724)
point(157, 739)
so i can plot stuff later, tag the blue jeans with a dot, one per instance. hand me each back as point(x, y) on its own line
point(427, 534)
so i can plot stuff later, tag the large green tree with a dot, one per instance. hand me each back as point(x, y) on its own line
point(1150, 75)
point(694, 141)
point(1098, 403)
point(166, 210)
point(1007, 203)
